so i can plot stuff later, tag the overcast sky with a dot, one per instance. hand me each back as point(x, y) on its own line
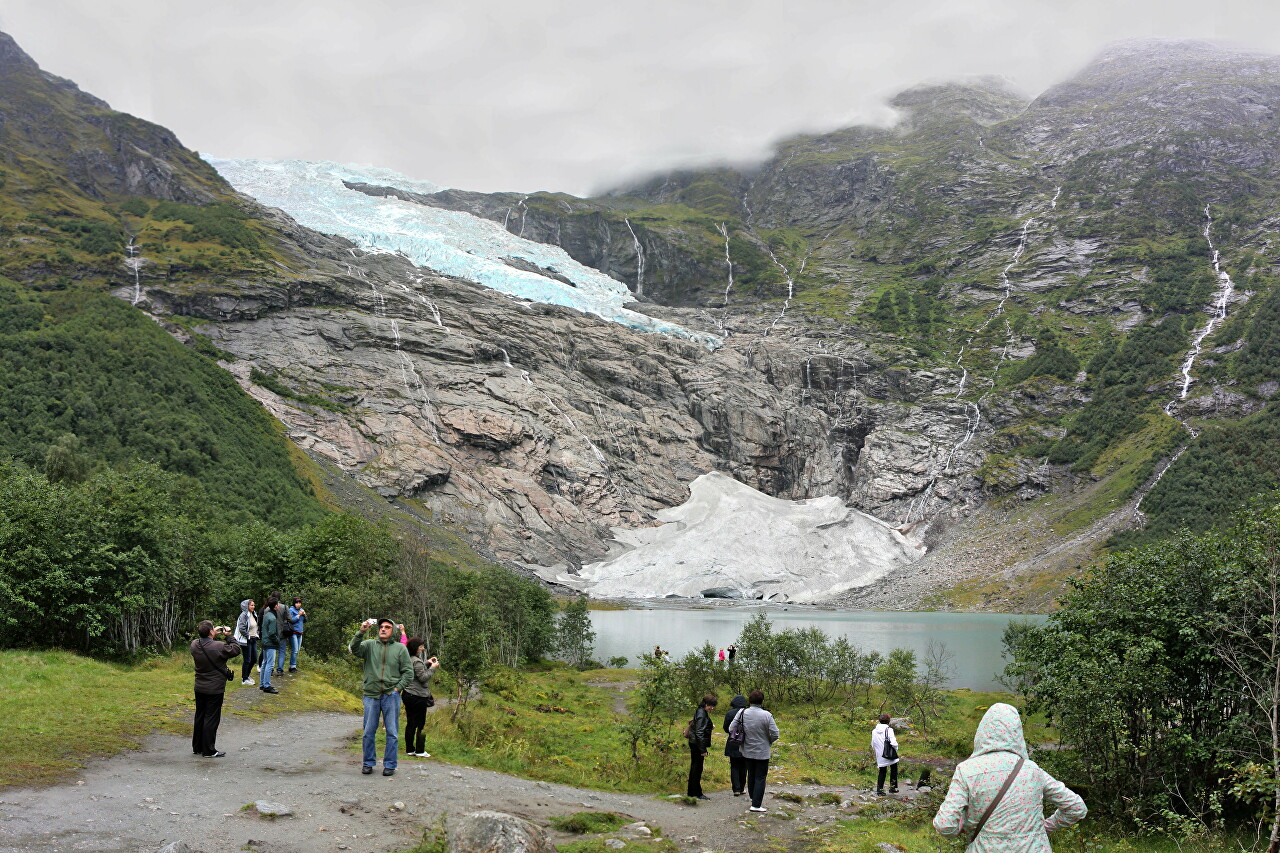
point(568, 95)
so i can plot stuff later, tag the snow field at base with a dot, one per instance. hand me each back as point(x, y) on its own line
point(449, 242)
point(730, 537)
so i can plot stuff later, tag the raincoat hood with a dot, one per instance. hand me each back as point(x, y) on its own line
point(739, 701)
point(1000, 731)
point(244, 605)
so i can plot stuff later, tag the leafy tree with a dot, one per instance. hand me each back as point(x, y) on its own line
point(658, 701)
point(575, 638)
point(465, 653)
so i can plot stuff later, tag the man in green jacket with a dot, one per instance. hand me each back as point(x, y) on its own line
point(387, 670)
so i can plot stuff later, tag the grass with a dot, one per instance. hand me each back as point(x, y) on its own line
point(589, 823)
point(49, 700)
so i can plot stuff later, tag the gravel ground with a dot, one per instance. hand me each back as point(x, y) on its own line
point(144, 799)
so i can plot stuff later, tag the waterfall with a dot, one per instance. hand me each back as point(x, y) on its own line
point(1053, 205)
point(973, 420)
point(1217, 313)
point(524, 212)
point(639, 258)
point(728, 262)
point(135, 263)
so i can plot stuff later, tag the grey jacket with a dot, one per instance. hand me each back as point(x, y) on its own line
point(422, 672)
point(761, 731)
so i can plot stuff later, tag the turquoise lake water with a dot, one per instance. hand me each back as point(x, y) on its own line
point(974, 638)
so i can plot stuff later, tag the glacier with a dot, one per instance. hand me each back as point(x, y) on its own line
point(729, 540)
point(449, 242)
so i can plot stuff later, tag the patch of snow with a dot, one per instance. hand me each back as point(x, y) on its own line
point(733, 541)
point(450, 242)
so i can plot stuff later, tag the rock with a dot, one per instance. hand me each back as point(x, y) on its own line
point(268, 809)
point(496, 832)
point(615, 843)
point(175, 847)
point(637, 830)
point(397, 806)
point(888, 847)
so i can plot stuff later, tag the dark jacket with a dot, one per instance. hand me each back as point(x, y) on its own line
point(739, 702)
point(270, 629)
point(210, 657)
point(701, 730)
point(387, 667)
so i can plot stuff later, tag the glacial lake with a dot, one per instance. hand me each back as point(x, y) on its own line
point(974, 638)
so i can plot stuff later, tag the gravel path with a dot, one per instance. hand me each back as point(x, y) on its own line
point(144, 799)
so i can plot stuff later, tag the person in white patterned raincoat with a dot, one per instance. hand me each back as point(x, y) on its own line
point(1018, 824)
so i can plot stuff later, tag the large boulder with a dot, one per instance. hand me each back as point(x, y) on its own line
point(496, 832)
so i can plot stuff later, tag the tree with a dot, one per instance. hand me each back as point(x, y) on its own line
point(897, 677)
point(658, 700)
point(465, 649)
point(575, 638)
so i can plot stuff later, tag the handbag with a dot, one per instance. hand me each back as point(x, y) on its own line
point(1000, 796)
point(890, 752)
point(224, 669)
point(737, 732)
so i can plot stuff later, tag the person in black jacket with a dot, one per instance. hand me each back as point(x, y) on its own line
point(737, 764)
point(699, 743)
point(210, 655)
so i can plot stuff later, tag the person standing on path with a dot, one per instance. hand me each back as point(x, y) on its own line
point(418, 698)
point(283, 628)
point(298, 621)
point(247, 637)
point(210, 655)
point(1017, 823)
point(883, 733)
point(760, 732)
point(700, 744)
point(270, 644)
point(733, 751)
point(387, 671)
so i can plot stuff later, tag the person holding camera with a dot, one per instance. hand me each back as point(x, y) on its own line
point(212, 674)
point(418, 698)
point(387, 671)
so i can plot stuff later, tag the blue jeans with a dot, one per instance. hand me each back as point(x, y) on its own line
point(386, 707)
point(268, 664)
point(295, 645)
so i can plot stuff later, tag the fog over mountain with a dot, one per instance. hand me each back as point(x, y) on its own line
point(570, 95)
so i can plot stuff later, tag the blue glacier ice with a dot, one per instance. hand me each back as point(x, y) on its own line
point(449, 242)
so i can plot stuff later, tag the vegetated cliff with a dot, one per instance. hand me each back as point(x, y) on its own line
point(976, 316)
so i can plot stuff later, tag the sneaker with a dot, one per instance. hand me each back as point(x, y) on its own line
point(292, 670)
point(268, 690)
point(738, 793)
point(388, 771)
point(366, 770)
point(893, 790)
point(424, 755)
point(218, 754)
point(879, 792)
point(703, 797)
point(248, 682)
point(757, 809)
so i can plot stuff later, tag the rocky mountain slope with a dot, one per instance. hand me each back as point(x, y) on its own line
point(989, 306)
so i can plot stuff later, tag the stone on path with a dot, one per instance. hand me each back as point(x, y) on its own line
point(267, 809)
point(175, 847)
point(615, 844)
point(496, 832)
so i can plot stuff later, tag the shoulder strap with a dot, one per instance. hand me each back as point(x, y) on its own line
point(212, 665)
point(977, 830)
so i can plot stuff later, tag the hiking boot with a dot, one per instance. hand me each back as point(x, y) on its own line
point(293, 670)
point(879, 792)
point(268, 690)
point(366, 770)
point(388, 771)
point(893, 790)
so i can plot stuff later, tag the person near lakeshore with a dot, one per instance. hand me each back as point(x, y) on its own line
point(298, 622)
point(722, 656)
point(387, 672)
point(270, 631)
point(418, 698)
point(733, 651)
point(759, 733)
point(733, 751)
point(247, 637)
point(1018, 824)
point(210, 651)
point(881, 733)
point(700, 744)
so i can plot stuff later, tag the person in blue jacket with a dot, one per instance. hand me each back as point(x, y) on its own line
point(298, 618)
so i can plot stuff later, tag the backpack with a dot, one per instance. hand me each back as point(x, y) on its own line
point(286, 624)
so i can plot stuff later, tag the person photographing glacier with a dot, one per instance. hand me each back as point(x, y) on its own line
point(997, 794)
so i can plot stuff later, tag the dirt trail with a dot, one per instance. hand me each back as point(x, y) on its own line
point(146, 798)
